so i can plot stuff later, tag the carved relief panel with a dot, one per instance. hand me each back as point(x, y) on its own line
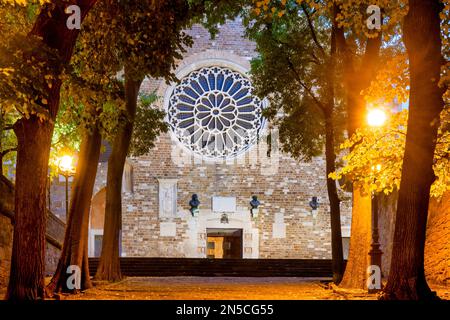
point(167, 198)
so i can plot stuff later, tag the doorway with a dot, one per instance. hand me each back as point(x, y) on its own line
point(224, 243)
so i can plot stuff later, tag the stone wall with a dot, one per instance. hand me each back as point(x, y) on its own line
point(6, 235)
point(6, 230)
point(437, 247)
point(55, 238)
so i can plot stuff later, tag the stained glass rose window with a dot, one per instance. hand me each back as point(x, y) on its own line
point(213, 113)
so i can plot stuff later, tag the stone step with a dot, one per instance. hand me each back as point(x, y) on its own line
point(220, 261)
point(221, 267)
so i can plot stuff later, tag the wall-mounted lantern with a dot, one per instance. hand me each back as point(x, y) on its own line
point(314, 204)
point(194, 203)
point(254, 203)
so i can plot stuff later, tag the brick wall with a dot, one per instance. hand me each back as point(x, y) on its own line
point(283, 185)
point(286, 192)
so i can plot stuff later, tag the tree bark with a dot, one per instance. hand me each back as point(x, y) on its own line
point(330, 159)
point(355, 275)
point(74, 251)
point(335, 211)
point(28, 253)
point(109, 265)
point(34, 138)
point(422, 37)
point(357, 79)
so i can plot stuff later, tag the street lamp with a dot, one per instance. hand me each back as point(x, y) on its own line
point(375, 118)
point(66, 169)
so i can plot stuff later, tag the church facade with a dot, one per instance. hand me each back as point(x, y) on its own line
point(220, 148)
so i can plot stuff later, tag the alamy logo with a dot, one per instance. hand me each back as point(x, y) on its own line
point(374, 277)
point(74, 280)
point(74, 20)
point(374, 20)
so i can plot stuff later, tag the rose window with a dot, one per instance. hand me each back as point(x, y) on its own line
point(214, 114)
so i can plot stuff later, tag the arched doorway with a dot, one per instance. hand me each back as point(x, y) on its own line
point(96, 223)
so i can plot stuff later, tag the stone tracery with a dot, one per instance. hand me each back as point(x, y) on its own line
point(214, 114)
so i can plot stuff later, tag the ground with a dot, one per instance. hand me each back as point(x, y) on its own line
point(222, 288)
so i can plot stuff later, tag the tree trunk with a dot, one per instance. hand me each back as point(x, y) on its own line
point(74, 251)
point(330, 159)
point(355, 275)
point(28, 254)
point(355, 80)
point(335, 211)
point(422, 37)
point(34, 138)
point(109, 265)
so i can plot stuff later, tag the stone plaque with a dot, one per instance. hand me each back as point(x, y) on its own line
point(279, 217)
point(168, 229)
point(279, 230)
point(224, 204)
point(167, 198)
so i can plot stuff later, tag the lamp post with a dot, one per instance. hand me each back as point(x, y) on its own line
point(375, 118)
point(66, 169)
point(375, 251)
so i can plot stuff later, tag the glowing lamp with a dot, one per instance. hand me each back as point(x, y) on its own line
point(66, 164)
point(376, 117)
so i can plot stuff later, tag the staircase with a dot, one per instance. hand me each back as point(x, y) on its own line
point(169, 267)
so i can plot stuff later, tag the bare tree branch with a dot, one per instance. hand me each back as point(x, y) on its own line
point(304, 86)
point(313, 31)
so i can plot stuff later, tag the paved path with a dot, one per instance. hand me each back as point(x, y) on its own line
point(223, 288)
point(232, 288)
point(198, 288)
